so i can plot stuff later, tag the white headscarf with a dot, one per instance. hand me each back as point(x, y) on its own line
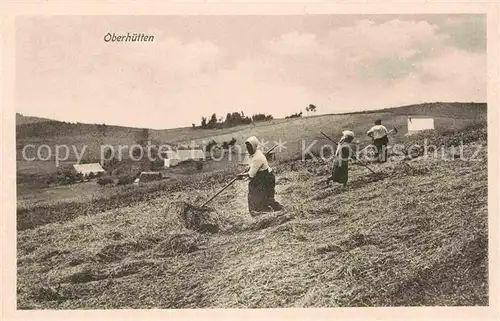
point(257, 161)
point(345, 134)
point(254, 142)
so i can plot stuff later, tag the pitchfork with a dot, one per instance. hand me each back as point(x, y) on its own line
point(232, 181)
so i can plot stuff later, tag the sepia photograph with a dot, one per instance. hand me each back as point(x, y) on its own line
point(251, 161)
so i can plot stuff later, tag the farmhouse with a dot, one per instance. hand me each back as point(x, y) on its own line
point(417, 124)
point(173, 158)
point(86, 169)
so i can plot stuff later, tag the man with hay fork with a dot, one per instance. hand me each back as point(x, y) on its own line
point(380, 140)
point(341, 160)
point(261, 187)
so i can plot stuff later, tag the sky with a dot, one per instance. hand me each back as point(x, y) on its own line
point(199, 65)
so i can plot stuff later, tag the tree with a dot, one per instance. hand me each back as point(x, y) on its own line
point(203, 122)
point(259, 117)
point(236, 117)
point(143, 137)
point(103, 129)
point(312, 108)
point(110, 161)
point(213, 119)
point(228, 118)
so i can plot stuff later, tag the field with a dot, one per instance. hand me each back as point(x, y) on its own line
point(414, 234)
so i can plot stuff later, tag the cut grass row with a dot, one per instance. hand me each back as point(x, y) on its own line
point(417, 238)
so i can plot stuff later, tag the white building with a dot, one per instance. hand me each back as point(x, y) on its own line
point(86, 169)
point(417, 124)
point(173, 158)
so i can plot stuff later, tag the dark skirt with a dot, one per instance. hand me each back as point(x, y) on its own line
point(261, 193)
point(340, 171)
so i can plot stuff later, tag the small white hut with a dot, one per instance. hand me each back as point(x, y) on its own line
point(418, 124)
point(173, 158)
point(86, 169)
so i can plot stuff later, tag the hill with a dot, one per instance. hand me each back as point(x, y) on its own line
point(22, 120)
point(295, 134)
point(415, 234)
point(447, 115)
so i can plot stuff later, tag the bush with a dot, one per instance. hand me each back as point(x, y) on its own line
point(105, 181)
point(66, 177)
point(199, 166)
point(157, 164)
point(79, 177)
point(50, 180)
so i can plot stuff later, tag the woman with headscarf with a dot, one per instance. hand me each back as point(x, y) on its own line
point(262, 180)
point(341, 160)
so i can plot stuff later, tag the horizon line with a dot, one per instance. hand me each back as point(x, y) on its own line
point(280, 118)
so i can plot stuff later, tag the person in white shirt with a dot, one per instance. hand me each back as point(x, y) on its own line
point(261, 187)
point(379, 135)
point(343, 154)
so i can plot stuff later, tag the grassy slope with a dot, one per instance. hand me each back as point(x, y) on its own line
point(416, 237)
point(448, 115)
point(294, 132)
point(21, 119)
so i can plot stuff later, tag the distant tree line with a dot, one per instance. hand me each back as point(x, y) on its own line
point(232, 119)
point(296, 115)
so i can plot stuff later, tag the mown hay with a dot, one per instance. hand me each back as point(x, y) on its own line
point(84, 275)
point(180, 243)
point(47, 293)
point(367, 179)
point(195, 218)
point(405, 169)
point(407, 240)
point(269, 220)
point(329, 248)
point(116, 252)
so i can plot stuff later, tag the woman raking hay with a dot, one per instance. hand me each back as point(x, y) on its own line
point(261, 187)
point(340, 169)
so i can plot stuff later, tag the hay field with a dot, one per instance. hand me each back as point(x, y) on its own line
point(414, 235)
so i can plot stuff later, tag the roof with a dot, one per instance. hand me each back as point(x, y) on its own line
point(150, 173)
point(88, 168)
point(185, 154)
point(171, 154)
